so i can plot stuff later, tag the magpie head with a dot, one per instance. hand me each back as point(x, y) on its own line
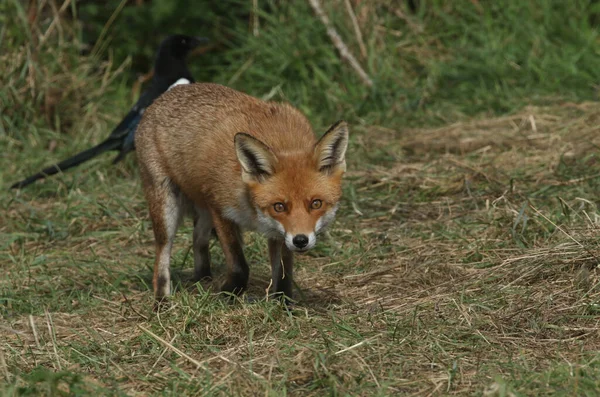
point(179, 45)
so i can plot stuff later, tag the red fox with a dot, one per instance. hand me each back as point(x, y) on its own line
point(234, 163)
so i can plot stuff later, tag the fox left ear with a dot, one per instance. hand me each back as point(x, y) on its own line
point(257, 160)
point(330, 151)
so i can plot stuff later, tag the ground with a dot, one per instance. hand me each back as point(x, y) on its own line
point(463, 261)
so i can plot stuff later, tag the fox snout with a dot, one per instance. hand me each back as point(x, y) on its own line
point(300, 242)
point(303, 241)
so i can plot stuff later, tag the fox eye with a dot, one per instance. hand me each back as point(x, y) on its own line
point(316, 204)
point(279, 207)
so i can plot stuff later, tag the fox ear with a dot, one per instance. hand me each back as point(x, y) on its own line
point(330, 151)
point(256, 159)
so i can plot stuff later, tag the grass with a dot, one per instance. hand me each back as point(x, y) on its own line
point(464, 260)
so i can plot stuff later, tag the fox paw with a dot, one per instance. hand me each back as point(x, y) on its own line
point(202, 276)
point(161, 304)
point(235, 284)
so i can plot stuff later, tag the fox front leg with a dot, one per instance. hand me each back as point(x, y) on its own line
point(231, 241)
point(202, 232)
point(282, 264)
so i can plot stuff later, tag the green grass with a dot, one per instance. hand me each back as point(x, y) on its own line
point(464, 260)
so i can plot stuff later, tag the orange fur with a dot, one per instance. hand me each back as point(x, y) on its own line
point(228, 159)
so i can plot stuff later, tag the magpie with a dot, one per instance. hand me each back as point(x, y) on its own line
point(169, 70)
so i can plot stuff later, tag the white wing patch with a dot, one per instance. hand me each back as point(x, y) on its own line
point(180, 82)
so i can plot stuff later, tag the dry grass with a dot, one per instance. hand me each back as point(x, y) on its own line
point(464, 261)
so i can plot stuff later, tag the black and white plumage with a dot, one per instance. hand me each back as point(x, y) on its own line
point(169, 69)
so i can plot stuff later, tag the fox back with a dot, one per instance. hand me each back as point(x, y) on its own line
point(235, 162)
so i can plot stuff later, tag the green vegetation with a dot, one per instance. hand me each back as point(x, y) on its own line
point(463, 261)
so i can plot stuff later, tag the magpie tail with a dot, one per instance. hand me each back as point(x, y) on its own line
point(109, 144)
point(122, 153)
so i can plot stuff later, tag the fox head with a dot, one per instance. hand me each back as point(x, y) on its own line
point(295, 194)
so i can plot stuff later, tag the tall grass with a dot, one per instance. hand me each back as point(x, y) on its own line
point(449, 60)
point(53, 99)
point(446, 61)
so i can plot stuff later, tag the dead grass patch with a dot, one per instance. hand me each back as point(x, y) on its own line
point(469, 256)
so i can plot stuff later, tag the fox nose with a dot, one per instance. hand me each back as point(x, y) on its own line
point(300, 240)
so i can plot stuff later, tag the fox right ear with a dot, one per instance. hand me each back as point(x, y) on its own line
point(257, 160)
point(330, 151)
